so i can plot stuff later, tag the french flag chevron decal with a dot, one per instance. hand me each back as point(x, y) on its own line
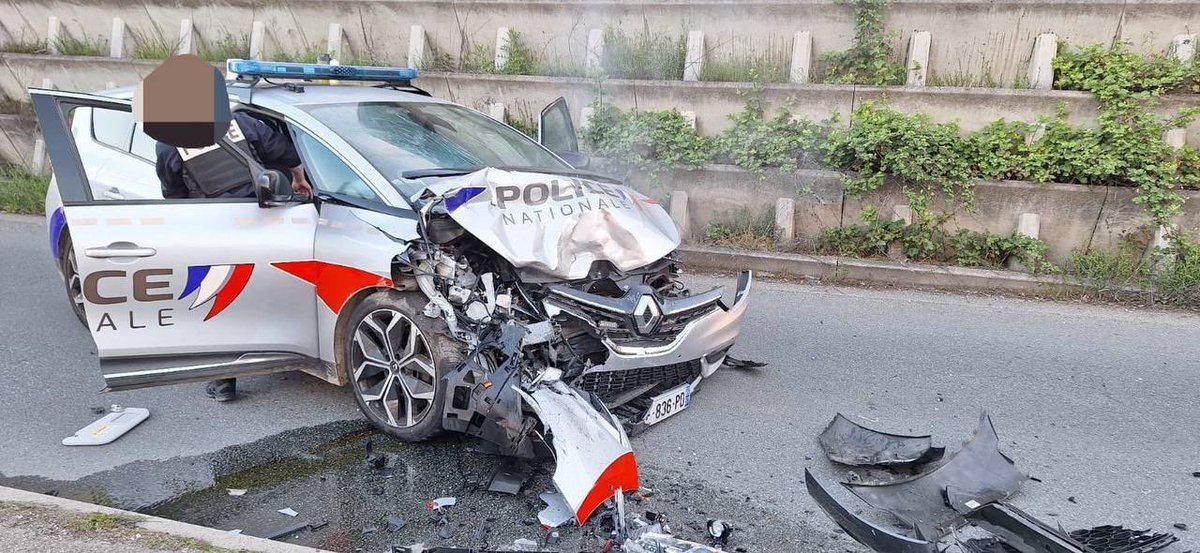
point(220, 284)
point(334, 283)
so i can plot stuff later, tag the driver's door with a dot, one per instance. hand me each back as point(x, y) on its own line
point(180, 290)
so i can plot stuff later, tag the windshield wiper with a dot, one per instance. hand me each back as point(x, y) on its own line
point(566, 172)
point(459, 171)
point(439, 172)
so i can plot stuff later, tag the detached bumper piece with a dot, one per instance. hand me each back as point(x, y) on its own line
point(850, 444)
point(976, 475)
point(969, 488)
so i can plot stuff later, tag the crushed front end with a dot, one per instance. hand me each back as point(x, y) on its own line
point(574, 324)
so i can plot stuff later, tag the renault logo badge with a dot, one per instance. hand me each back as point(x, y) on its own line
point(647, 314)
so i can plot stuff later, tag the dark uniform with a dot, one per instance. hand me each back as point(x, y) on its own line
point(213, 172)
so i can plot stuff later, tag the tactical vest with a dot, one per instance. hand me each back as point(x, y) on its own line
point(212, 171)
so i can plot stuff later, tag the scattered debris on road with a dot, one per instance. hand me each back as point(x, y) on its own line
point(734, 363)
point(510, 477)
point(852, 444)
point(441, 502)
point(111, 426)
point(236, 492)
point(966, 493)
point(287, 511)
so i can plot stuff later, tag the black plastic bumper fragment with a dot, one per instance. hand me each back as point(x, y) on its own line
point(1118, 539)
point(977, 475)
point(1024, 533)
point(849, 443)
point(863, 531)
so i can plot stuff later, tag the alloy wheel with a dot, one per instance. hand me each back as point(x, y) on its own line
point(393, 369)
point(74, 284)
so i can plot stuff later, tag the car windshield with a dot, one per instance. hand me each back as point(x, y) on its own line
point(399, 137)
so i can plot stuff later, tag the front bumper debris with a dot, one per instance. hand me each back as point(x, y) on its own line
point(592, 453)
point(852, 444)
point(976, 475)
point(970, 488)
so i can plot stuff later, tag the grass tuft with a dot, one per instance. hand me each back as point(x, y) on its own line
point(771, 65)
point(227, 47)
point(153, 45)
point(21, 191)
point(23, 45)
point(100, 522)
point(644, 55)
point(84, 46)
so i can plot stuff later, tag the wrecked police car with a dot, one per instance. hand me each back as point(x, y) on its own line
point(456, 274)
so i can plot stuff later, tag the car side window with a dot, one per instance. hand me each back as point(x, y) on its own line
point(328, 172)
point(114, 128)
point(143, 146)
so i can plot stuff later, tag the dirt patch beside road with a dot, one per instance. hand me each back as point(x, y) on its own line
point(32, 528)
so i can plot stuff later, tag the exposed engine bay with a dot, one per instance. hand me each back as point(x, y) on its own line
point(567, 345)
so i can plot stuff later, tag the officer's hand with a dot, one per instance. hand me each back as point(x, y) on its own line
point(302, 187)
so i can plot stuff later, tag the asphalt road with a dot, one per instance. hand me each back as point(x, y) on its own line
point(1100, 403)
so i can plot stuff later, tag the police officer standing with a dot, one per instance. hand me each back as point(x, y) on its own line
point(213, 172)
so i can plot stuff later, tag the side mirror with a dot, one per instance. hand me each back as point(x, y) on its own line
point(272, 189)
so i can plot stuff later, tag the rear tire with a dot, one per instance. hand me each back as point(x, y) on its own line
point(395, 358)
point(71, 279)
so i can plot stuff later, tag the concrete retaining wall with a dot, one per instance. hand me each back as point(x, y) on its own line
point(712, 103)
point(969, 37)
point(1074, 218)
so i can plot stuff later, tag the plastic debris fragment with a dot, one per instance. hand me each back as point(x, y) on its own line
point(109, 427)
point(441, 502)
point(287, 511)
point(557, 512)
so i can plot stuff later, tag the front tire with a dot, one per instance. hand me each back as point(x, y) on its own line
point(395, 358)
point(71, 279)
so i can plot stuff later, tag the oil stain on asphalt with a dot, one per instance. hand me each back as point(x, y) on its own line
point(345, 503)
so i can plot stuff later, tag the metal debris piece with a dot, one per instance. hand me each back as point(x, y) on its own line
point(1118, 539)
point(864, 532)
point(109, 427)
point(395, 523)
point(288, 530)
point(318, 525)
point(557, 511)
point(734, 363)
point(934, 502)
point(849, 443)
point(719, 531)
point(236, 492)
point(510, 477)
point(439, 503)
point(287, 511)
point(652, 542)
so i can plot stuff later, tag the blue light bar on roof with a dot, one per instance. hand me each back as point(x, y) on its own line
point(282, 70)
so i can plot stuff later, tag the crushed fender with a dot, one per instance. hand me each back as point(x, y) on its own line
point(852, 444)
point(593, 456)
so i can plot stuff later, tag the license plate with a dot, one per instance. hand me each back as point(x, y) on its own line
point(668, 403)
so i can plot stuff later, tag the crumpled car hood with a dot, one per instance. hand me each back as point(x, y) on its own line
point(558, 225)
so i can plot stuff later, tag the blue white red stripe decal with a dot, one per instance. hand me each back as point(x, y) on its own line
point(220, 284)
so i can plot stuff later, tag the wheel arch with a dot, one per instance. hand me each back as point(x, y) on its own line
point(339, 330)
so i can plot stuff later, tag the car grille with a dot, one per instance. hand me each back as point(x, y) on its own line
point(667, 330)
point(610, 383)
